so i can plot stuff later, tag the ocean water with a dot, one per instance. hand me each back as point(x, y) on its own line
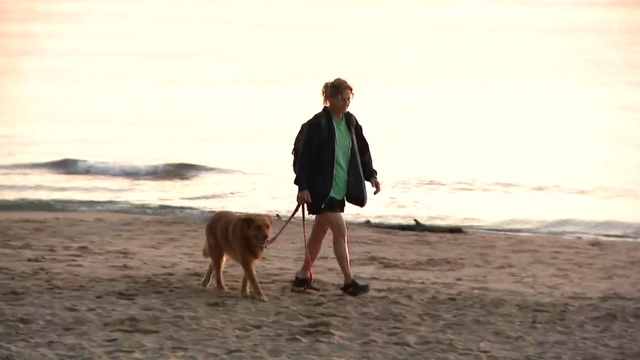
point(498, 114)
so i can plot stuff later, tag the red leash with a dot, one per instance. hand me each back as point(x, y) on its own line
point(273, 239)
point(304, 232)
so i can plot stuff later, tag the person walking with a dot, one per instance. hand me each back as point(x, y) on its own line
point(333, 162)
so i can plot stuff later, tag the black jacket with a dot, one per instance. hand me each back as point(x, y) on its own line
point(314, 170)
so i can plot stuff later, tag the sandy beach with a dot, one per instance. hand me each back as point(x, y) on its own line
point(115, 286)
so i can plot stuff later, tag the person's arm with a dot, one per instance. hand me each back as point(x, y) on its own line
point(307, 146)
point(366, 160)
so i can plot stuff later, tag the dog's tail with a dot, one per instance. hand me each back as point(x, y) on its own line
point(205, 248)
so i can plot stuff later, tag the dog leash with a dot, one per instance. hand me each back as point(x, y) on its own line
point(273, 239)
point(304, 233)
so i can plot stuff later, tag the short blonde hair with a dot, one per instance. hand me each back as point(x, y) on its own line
point(335, 88)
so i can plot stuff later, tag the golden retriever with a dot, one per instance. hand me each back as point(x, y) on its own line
point(242, 238)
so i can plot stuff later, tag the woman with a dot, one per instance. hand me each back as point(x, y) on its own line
point(333, 163)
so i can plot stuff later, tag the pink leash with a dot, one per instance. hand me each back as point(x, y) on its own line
point(304, 232)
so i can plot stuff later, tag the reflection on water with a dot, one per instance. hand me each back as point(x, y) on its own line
point(455, 98)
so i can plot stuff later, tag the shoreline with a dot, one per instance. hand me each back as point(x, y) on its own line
point(131, 208)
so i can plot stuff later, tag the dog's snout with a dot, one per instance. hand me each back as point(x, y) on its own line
point(261, 237)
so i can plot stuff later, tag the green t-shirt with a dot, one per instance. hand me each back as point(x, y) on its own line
point(343, 155)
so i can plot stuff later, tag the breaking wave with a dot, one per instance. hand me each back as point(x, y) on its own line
point(60, 205)
point(168, 171)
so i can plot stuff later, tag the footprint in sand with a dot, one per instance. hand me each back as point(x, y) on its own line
point(117, 351)
point(126, 295)
point(24, 321)
point(129, 325)
point(143, 331)
point(129, 320)
point(74, 265)
point(216, 303)
point(605, 320)
point(122, 267)
point(14, 293)
point(320, 324)
point(234, 351)
point(322, 328)
point(179, 348)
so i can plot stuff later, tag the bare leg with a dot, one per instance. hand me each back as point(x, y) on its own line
point(340, 248)
point(206, 280)
point(314, 243)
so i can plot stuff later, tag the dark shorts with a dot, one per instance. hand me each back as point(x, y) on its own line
point(332, 205)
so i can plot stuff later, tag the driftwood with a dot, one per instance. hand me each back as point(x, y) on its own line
point(418, 226)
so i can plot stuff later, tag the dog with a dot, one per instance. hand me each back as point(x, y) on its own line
point(243, 238)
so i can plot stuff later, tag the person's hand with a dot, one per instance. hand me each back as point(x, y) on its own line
point(376, 185)
point(304, 197)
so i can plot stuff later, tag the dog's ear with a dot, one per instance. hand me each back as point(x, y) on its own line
point(270, 219)
point(248, 221)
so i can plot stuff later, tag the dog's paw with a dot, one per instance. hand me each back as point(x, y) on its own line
point(262, 298)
